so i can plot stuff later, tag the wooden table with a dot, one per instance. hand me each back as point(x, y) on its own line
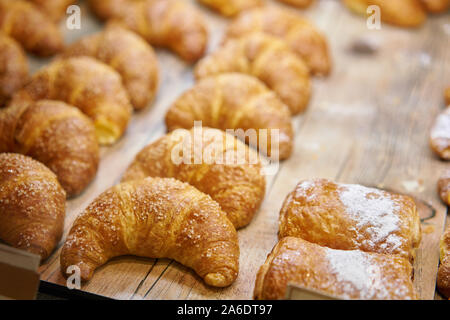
point(367, 123)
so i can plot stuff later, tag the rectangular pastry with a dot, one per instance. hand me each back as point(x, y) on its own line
point(346, 274)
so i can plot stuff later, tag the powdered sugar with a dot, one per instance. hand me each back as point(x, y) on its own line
point(441, 128)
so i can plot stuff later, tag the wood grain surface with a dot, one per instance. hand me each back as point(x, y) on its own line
point(367, 123)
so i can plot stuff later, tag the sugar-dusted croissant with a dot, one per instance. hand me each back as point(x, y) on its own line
point(350, 216)
point(227, 170)
point(129, 55)
point(13, 68)
point(32, 205)
point(436, 6)
point(444, 187)
point(173, 24)
point(55, 9)
point(345, 274)
point(443, 280)
point(301, 35)
point(93, 87)
point(24, 22)
point(230, 8)
point(440, 135)
point(155, 218)
point(403, 13)
point(57, 135)
point(267, 58)
point(298, 3)
point(236, 101)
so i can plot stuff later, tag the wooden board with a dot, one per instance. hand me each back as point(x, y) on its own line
point(367, 123)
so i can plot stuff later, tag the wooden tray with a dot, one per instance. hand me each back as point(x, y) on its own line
point(367, 123)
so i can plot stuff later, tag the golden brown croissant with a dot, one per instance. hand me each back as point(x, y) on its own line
point(436, 6)
point(403, 13)
point(236, 101)
point(13, 68)
point(173, 24)
point(32, 205)
point(443, 280)
point(93, 87)
point(349, 216)
point(155, 218)
point(444, 187)
point(267, 58)
point(24, 22)
point(230, 8)
point(231, 174)
point(346, 274)
point(129, 55)
point(298, 3)
point(56, 134)
point(302, 36)
point(55, 9)
point(447, 96)
point(440, 135)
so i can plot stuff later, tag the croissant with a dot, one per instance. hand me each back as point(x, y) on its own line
point(155, 218)
point(440, 135)
point(93, 87)
point(349, 216)
point(298, 3)
point(129, 55)
point(13, 68)
point(447, 96)
point(32, 205)
point(173, 24)
point(57, 135)
point(403, 13)
point(24, 22)
point(443, 280)
point(236, 101)
point(230, 8)
point(231, 174)
point(436, 6)
point(267, 58)
point(346, 274)
point(55, 9)
point(444, 187)
point(302, 36)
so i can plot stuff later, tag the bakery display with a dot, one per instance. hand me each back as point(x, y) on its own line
point(236, 101)
point(436, 6)
point(32, 205)
point(300, 34)
point(298, 3)
point(444, 187)
point(345, 274)
point(56, 134)
point(230, 8)
point(440, 135)
point(443, 279)
point(55, 9)
point(268, 59)
point(156, 218)
point(224, 168)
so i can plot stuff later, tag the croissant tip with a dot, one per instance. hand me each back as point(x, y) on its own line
point(217, 280)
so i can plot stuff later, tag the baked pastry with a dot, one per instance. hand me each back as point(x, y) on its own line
point(57, 135)
point(13, 68)
point(444, 187)
point(93, 87)
point(436, 6)
point(443, 280)
point(231, 8)
point(300, 34)
point(403, 13)
point(236, 101)
point(447, 96)
point(267, 58)
point(222, 167)
point(440, 135)
point(38, 35)
point(345, 274)
point(155, 218)
point(129, 55)
point(349, 216)
point(298, 3)
point(55, 9)
point(32, 205)
point(173, 24)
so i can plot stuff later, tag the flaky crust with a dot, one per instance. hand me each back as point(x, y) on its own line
point(32, 205)
point(267, 58)
point(235, 101)
point(13, 68)
point(173, 24)
point(298, 3)
point(443, 280)
point(93, 87)
point(444, 187)
point(402, 13)
point(55, 9)
point(447, 96)
point(348, 217)
point(345, 274)
point(440, 135)
point(126, 52)
point(227, 170)
point(155, 218)
point(436, 6)
point(38, 35)
point(57, 135)
point(230, 8)
point(302, 36)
